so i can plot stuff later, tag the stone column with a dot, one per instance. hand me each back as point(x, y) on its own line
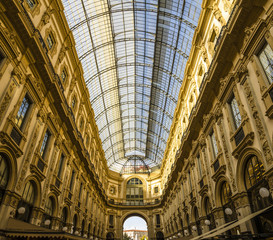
point(218, 216)
point(243, 209)
point(8, 207)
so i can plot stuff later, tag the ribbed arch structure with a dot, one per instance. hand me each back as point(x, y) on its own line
point(133, 54)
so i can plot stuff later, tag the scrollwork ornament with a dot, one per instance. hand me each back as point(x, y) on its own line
point(258, 122)
point(226, 154)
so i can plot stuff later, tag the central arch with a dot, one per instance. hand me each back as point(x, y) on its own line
point(140, 214)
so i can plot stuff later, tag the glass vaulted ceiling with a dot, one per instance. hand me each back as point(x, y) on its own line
point(133, 55)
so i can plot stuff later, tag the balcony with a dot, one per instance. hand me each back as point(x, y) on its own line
point(16, 135)
point(134, 203)
point(219, 167)
point(203, 186)
point(242, 137)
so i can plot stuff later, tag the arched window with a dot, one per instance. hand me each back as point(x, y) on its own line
point(209, 214)
point(63, 218)
point(75, 221)
point(227, 202)
point(4, 175)
point(27, 202)
point(188, 223)
point(89, 231)
point(48, 214)
point(197, 221)
point(225, 193)
point(181, 224)
point(254, 172)
point(49, 207)
point(82, 230)
point(254, 181)
point(134, 192)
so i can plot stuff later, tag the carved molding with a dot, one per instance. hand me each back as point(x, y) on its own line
point(258, 122)
point(28, 159)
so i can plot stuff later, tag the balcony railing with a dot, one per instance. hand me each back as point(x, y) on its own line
point(216, 165)
point(134, 203)
point(239, 136)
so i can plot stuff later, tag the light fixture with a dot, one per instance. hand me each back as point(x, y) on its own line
point(207, 222)
point(21, 210)
point(47, 222)
point(64, 229)
point(264, 192)
point(228, 211)
point(194, 228)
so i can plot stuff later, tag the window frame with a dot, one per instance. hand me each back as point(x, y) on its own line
point(134, 192)
point(236, 125)
point(72, 180)
point(60, 166)
point(199, 163)
point(253, 179)
point(26, 114)
point(50, 44)
point(64, 73)
point(225, 193)
point(258, 53)
point(213, 143)
point(34, 2)
point(45, 144)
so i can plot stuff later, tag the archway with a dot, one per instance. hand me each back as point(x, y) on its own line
point(135, 227)
point(159, 235)
point(110, 236)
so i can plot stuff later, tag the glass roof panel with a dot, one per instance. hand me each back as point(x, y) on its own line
point(133, 54)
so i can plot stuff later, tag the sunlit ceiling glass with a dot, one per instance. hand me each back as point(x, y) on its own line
point(133, 55)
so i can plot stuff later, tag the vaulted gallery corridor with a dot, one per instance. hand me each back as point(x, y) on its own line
point(116, 109)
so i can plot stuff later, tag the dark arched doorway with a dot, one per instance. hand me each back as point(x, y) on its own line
point(197, 221)
point(110, 236)
point(159, 235)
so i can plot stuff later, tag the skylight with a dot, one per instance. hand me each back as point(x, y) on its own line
point(133, 55)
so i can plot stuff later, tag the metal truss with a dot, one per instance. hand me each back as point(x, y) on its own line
point(133, 55)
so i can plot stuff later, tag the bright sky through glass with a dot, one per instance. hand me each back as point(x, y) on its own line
point(135, 223)
point(133, 54)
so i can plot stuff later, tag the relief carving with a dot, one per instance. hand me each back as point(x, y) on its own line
point(226, 153)
point(218, 14)
point(45, 19)
point(10, 36)
point(258, 122)
point(62, 54)
point(7, 98)
point(27, 159)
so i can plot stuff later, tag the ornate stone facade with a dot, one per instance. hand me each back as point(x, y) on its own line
point(54, 145)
